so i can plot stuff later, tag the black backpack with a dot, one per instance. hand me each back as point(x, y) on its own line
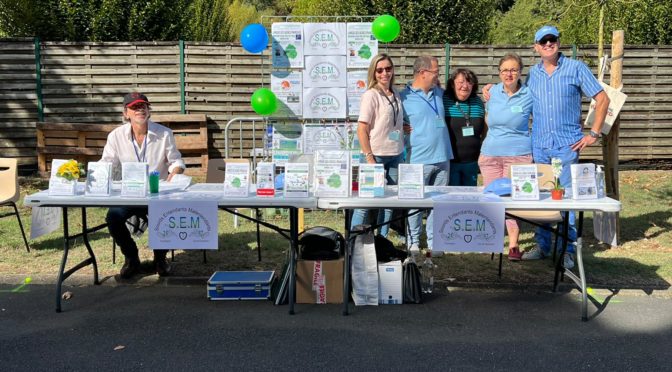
point(321, 244)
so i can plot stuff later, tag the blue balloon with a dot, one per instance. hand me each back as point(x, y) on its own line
point(254, 38)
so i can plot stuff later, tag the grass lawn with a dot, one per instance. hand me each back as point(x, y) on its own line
point(643, 259)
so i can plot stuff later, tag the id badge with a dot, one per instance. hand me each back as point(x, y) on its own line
point(516, 109)
point(394, 136)
point(467, 131)
point(439, 122)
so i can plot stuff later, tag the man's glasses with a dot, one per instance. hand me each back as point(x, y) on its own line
point(512, 71)
point(433, 72)
point(549, 39)
point(386, 69)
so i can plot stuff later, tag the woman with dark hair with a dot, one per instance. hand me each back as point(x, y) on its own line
point(465, 117)
point(380, 129)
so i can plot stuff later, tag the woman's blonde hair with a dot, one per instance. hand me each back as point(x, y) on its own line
point(371, 74)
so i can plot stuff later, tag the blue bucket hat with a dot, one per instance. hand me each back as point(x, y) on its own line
point(546, 30)
point(500, 186)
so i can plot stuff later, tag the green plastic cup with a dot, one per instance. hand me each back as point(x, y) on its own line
point(154, 183)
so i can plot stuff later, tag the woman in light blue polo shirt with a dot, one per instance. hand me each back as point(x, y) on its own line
point(508, 140)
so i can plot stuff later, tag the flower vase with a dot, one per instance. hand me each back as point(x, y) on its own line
point(557, 194)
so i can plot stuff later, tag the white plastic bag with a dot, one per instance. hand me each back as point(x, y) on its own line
point(364, 271)
point(616, 102)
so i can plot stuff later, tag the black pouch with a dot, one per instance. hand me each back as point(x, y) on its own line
point(412, 290)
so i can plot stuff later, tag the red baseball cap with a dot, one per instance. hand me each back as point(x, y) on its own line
point(133, 98)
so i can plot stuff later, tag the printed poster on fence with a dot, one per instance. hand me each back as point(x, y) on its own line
point(324, 39)
point(324, 103)
point(183, 224)
point(287, 141)
point(287, 44)
point(362, 45)
point(323, 137)
point(325, 72)
point(288, 89)
point(355, 88)
point(468, 222)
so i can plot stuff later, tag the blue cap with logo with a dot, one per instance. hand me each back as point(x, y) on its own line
point(546, 30)
point(499, 186)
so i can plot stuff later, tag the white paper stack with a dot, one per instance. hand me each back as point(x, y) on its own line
point(237, 179)
point(411, 181)
point(265, 179)
point(371, 180)
point(297, 180)
point(98, 179)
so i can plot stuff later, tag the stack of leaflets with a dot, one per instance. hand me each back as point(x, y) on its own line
point(332, 173)
point(371, 180)
point(265, 179)
point(237, 179)
point(296, 180)
point(411, 181)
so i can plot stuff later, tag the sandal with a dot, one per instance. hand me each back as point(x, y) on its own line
point(515, 254)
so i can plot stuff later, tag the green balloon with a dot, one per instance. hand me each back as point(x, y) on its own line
point(385, 28)
point(263, 102)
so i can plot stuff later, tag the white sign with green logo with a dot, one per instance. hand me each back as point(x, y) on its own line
point(182, 224)
point(287, 44)
point(362, 45)
point(324, 39)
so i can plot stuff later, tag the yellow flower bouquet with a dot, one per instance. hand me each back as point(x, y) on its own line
point(71, 170)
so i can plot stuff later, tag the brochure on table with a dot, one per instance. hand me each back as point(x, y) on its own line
point(583, 181)
point(411, 181)
point(237, 179)
point(59, 186)
point(332, 173)
point(98, 179)
point(288, 89)
point(183, 224)
point(265, 179)
point(325, 72)
point(324, 103)
point(297, 180)
point(468, 222)
point(371, 180)
point(524, 182)
point(287, 44)
point(362, 45)
point(287, 141)
point(356, 86)
point(324, 39)
point(134, 180)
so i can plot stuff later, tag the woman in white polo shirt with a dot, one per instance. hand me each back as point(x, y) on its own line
point(508, 140)
point(380, 129)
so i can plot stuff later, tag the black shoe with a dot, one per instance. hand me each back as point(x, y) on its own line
point(162, 266)
point(131, 268)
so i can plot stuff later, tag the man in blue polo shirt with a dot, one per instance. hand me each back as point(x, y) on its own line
point(428, 142)
point(557, 84)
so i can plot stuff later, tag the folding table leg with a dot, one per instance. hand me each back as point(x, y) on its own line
point(582, 273)
point(92, 257)
point(64, 259)
point(294, 241)
point(346, 269)
point(23, 232)
point(258, 236)
point(565, 241)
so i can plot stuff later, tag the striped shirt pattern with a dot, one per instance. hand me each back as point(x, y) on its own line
point(556, 113)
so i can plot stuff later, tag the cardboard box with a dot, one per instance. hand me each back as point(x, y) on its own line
point(319, 282)
point(390, 283)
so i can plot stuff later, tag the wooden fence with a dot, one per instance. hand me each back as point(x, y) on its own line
point(85, 82)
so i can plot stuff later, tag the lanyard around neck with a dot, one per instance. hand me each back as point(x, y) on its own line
point(467, 115)
point(434, 107)
point(144, 148)
point(395, 107)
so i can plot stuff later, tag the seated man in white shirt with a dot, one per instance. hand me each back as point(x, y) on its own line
point(139, 140)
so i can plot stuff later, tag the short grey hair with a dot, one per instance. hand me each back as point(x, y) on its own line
point(423, 62)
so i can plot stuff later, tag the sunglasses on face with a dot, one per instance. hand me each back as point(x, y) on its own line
point(138, 107)
point(549, 39)
point(386, 69)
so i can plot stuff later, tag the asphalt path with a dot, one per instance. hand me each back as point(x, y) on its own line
point(174, 327)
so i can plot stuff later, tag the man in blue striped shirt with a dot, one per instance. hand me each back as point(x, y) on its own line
point(557, 84)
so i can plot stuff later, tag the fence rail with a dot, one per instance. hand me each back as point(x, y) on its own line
point(84, 82)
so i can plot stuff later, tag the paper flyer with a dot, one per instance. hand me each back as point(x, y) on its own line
point(58, 185)
point(134, 180)
point(324, 39)
point(98, 179)
point(265, 179)
point(332, 173)
point(288, 89)
point(371, 180)
point(325, 72)
point(324, 103)
point(296, 180)
point(287, 44)
point(524, 182)
point(287, 141)
point(356, 87)
point(237, 179)
point(411, 181)
point(583, 181)
point(323, 137)
point(362, 45)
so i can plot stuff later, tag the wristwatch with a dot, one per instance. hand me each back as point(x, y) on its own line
point(594, 134)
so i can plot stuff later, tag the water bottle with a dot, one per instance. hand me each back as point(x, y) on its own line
point(268, 140)
point(599, 180)
point(427, 272)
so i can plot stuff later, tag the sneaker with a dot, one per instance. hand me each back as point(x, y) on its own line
point(515, 254)
point(130, 268)
point(162, 266)
point(415, 249)
point(568, 261)
point(533, 254)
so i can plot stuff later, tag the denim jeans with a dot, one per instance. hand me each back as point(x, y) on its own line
point(568, 157)
point(463, 174)
point(434, 175)
point(361, 216)
point(116, 223)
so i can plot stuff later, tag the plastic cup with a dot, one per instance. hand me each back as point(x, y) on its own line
point(153, 183)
